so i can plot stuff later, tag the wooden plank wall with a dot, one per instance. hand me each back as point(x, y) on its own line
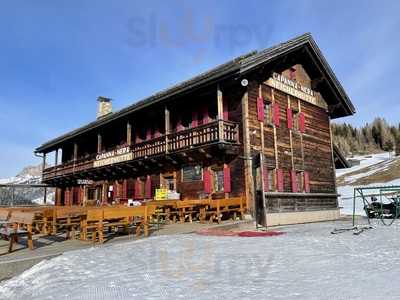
point(289, 149)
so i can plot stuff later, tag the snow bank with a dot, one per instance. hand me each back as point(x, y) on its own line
point(306, 263)
point(365, 161)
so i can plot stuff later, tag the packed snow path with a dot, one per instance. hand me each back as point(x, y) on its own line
point(306, 263)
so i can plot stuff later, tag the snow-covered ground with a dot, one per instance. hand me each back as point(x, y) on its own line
point(306, 263)
point(366, 161)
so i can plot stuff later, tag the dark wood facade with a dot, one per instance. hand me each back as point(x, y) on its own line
point(199, 138)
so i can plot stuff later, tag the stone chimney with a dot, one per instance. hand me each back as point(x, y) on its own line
point(105, 107)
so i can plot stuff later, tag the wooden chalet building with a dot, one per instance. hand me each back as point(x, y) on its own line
point(260, 122)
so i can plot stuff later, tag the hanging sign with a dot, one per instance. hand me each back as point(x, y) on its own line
point(84, 182)
point(295, 89)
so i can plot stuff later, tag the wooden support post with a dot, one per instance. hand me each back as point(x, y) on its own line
point(129, 133)
point(167, 127)
point(44, 161)
point(248, 172)
point(75, 151)
point(99, 143)
point(220, 107)
point(291, 137)
point(275, 136)
point(56, 158)
point(262, 173)
point(301, 140)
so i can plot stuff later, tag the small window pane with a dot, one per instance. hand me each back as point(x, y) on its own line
point(192, 173)
point(219, 181)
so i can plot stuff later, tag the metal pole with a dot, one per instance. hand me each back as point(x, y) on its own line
point(354, 206)
point(45, 195)
point(12, 196)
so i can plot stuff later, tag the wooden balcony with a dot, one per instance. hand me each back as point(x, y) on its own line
point(212, 133)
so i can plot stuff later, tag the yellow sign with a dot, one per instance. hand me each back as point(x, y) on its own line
point(161, 194)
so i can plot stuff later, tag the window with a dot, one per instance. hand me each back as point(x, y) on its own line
point(91, 194)
point(268, 112)
point(170, 183)
point(296, 118)
point(218, 180)
point(192, 173)
point(131, 188)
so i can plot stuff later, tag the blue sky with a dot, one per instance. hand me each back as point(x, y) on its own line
point(58, 56)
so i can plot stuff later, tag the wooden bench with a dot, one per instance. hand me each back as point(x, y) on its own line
point(67, 219)
point(166, 209)
point(189, 209)
point(4, 215)
point(226, 206)
point(19, 224)
point(90, 223)
point(116, 217)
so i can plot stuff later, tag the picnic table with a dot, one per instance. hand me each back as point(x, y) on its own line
point(18, 224)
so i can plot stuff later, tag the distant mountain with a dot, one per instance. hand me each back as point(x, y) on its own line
point(25, 195)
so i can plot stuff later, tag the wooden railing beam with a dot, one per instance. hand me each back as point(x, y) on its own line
point(183, 140)
point(220, 107)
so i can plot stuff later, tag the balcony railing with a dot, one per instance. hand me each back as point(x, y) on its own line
point(214, 132)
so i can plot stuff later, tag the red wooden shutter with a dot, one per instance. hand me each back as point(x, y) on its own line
point(125, 189)
point(266, 181)
point(225, 109)
point(77, 195)
point(205, 114)
point(148, 187)
point(260, 109)
point(276, 115)
point(207, 181)
point(227, 179)
point(293, 179)
point(67, 200)
point(137, 189)
point(279, 179)
point(302, 123)
point(115, 190)
point(289, 118)
point(195, 119)
point(306, 182)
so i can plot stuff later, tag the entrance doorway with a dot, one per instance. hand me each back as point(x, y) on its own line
point(259, 195)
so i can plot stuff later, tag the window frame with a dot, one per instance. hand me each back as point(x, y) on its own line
point(215, 179)
point(194, 166)
point(268, 113)
point(296, 120)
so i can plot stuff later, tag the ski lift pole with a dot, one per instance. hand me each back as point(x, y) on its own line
point(45, 196)
point(12, 196)
point(354, 207)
